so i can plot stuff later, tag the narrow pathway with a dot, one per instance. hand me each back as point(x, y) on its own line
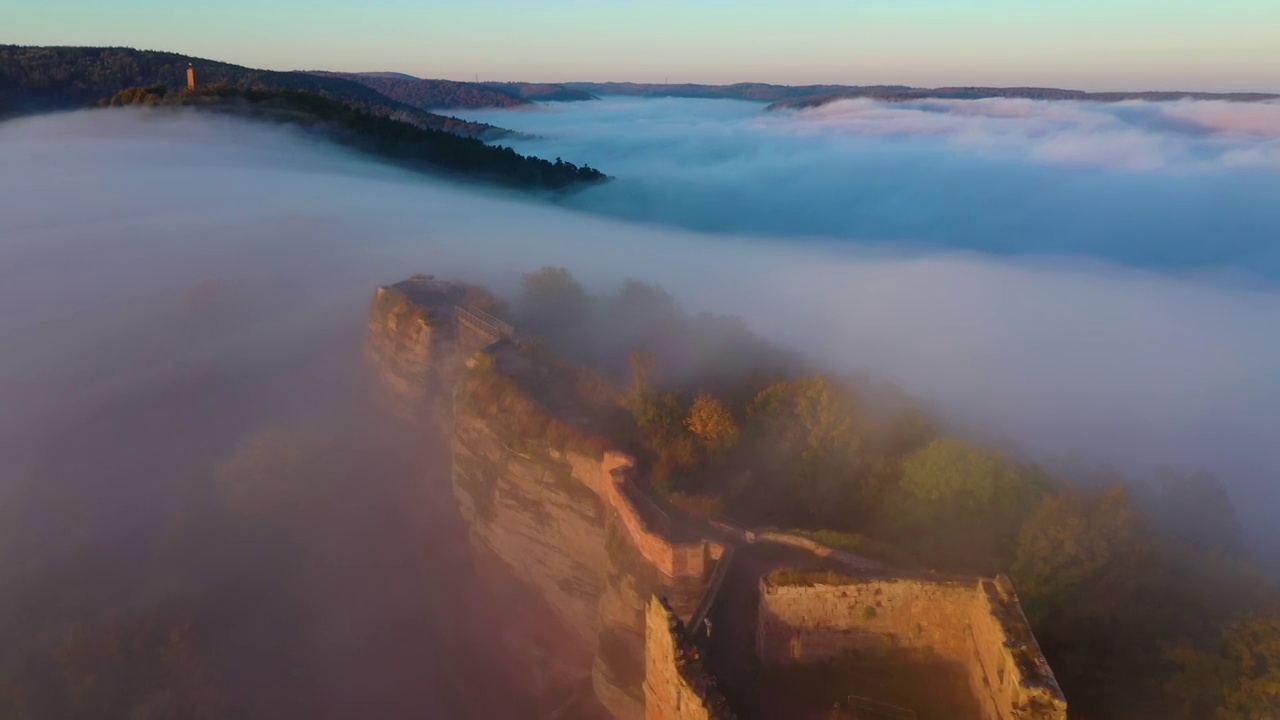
point(730, 648)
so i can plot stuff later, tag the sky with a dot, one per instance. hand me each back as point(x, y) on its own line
point(1223, 45)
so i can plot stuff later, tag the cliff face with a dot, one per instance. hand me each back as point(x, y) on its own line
point(557, 512)
point(535, 512)
point(550, 509)
point(417, 347)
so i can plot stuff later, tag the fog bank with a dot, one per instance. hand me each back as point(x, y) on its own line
point(1187, 187)
point(111, 222)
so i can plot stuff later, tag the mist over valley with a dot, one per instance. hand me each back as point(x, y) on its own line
point(1055, 317)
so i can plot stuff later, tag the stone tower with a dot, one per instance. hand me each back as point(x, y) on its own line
point(191, 78)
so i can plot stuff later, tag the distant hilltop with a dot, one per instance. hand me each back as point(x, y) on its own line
point(433, 151)
point(804, 96)
point(1026, 93)
point(426, 94)
point(42, 79)
point(346, 109)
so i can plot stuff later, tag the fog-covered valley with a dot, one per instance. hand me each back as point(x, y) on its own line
point(1176, 186)
point(110, 218)
point(174, 288)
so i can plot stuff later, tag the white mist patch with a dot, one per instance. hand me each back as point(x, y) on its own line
point(1184, 186)
point(109, 220)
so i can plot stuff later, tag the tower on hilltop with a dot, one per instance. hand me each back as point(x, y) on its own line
point(191, 77)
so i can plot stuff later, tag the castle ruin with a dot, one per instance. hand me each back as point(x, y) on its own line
point(686, 620)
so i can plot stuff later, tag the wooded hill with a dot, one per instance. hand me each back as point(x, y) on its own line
point(431, 94)
point(759, 92)
point(542, 92)
point(40, 79)
point(428, 150)
point(802, 96)
point(1026, 93)
point(441, 94)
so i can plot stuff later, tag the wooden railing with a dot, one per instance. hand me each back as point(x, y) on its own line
point(484, 323)
point(647, 509)
point(710, 596)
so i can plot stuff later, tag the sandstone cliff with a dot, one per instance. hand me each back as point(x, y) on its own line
point(560, 512)
point(416, 346)
point(543, 499)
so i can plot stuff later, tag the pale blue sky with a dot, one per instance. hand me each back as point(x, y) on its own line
point(1090, 44)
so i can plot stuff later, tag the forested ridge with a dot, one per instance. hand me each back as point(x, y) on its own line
point(433, 94)
point(1025, 93)
point(802, 96)
point(36, 79)
point(428, 94)
point(399, 142)
point(1142, 591)
point(760, 92)
point(542, 92)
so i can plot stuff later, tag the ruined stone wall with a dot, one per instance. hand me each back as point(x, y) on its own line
point(805, 623)
point(563, 522)
point(672, 559)
point(571, 522)
point(1014, 674)
point(976, 623)
point(676, 687)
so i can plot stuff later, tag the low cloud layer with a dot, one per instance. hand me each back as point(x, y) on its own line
point(1185, 187)
point(110, 221)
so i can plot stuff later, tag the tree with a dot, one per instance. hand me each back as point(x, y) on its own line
point(1194, 511)
point(815, 417)
point(805, 437)
point(554, 302)
point(1097, 586)
point(1238, 677)
point(711, 421)
point(268, 472)
point(906, 432)
point(1076, 543)
point(147, 664)
point(1252, 650)
point(961, 504)
point(962, 476)
point(641, 376)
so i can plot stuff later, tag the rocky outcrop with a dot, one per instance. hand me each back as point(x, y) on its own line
point(417, 346)
point(566, 517)
point(554, 507)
